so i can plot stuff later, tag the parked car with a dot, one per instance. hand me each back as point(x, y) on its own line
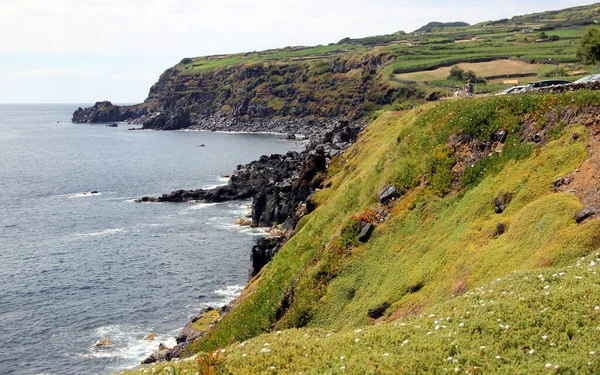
point(511, 90)
point(546, 83)
point(590, 78)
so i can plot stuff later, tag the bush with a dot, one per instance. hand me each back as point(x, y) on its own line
point(589, 46)
point(185, 61)
point(459, 74)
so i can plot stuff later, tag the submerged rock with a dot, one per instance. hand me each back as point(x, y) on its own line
point(150, 336)
point(103, 342)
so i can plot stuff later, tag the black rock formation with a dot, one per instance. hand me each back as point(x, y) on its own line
point(108, 112)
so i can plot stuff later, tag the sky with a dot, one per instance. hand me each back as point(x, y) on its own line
point(82, 51)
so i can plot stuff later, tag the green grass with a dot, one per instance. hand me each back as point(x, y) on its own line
point(441, 241)
point(532, 322)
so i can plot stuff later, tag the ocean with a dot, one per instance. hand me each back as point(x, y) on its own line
point(77, 267)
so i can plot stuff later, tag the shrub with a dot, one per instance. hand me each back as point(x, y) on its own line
point(185, 61)
point(459, 74)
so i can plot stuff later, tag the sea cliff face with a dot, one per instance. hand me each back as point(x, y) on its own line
point(293, 97)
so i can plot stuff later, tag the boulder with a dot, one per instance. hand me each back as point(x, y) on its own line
point(365, 232)
point(583, 214)
point(103, 342)
point(389, 193)
point(161, 354)
point(150, 336)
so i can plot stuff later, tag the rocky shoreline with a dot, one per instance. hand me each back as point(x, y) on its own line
point(281, 187)
point(180, 119)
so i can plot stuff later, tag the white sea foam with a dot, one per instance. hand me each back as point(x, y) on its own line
point(82, 195)
point(129, 346)
point(105, 232)
point(218, 181)
point(200, 206)
point(229, 293)
point(125, 199)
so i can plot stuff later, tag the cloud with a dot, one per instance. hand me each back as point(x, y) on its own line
point(73, 51)
point(198, 27)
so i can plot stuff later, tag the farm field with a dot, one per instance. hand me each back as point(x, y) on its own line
point(485, 69)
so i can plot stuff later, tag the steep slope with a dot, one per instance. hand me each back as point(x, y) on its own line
point(487, 187)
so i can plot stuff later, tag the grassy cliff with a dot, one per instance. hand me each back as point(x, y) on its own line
point(448, 281)
point(355, 77)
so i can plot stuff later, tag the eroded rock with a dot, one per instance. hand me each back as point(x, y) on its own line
point(365, 232)
point(584, 214)
point(388, 194)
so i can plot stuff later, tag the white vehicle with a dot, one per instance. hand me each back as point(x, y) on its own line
point(593, 77)
point(511, 90)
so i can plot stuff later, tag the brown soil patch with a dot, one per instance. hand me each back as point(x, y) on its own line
point(485, 69)
point(586, 180)
point(404, 312)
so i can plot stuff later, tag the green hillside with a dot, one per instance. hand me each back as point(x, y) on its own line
point(355, 77)
point(438, 249)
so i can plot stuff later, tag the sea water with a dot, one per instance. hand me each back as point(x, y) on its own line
point(77, 267)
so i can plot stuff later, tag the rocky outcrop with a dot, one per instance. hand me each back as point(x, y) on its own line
point(279, 185)
point(108, 112)
point(179, 119)
point(160, 354)
point(388, 194)
point(263, 251)
point(196, 327)
point(583, 214)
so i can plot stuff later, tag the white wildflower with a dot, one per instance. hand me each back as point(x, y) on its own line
point(343, 368)
point(592, 352)
point(548, 365)
point(531, 352)
point(545, 337)
point(386, 354)
point(358, 330)
point(265, 350)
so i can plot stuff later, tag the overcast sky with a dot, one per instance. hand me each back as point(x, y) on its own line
point(81, 51)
